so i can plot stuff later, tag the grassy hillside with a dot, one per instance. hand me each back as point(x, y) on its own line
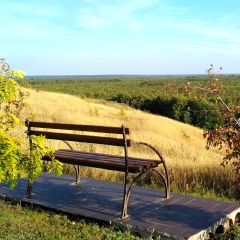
point(152, 93)
point(192, 168)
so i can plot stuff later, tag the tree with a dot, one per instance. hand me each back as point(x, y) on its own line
point(226, 134)
point(14, 161)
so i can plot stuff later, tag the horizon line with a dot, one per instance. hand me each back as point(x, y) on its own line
point(126, 75)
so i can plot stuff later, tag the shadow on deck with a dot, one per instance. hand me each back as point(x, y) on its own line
point(180, 217)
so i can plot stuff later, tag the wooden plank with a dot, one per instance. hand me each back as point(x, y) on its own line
point(103, 154)
point(120, 160)
point(99, 161)
point(116, 166)
point(82, 138)
point(106, 157)
point(80, 127)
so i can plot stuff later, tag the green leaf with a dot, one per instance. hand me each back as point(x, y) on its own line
point(18, 74)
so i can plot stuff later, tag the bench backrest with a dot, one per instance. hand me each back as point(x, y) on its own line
point(44, 129)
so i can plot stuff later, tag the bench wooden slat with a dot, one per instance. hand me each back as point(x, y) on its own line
point(116, 166)
point(78, 127)
point(82, 138)
point(116, 163)
point(107, 157)
point(100, 158)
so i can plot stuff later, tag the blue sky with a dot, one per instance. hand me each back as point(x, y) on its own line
point(91, 37)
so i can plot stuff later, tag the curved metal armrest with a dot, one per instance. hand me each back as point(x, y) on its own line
point(163, 174)
point(153, 148)
point(166, 178)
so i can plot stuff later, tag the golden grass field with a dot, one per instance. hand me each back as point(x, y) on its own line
point(193, 169)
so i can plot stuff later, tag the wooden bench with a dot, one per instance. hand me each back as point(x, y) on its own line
point(119, 136)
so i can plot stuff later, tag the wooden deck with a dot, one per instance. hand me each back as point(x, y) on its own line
point(180, 217)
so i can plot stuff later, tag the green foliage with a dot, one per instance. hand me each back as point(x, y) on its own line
point(225, 136)
point(11, 101)
point(122, 112)
point(10, 159)
point(23, 83)
point(233, 233)
point(17, 222)
point(222, 118)
point(210, 101)
point(33, 164)
point(14, 161)
point(157, 95)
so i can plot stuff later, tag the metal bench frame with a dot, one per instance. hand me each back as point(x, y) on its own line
point(124, 164)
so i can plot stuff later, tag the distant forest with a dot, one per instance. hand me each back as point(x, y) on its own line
point(149, 94)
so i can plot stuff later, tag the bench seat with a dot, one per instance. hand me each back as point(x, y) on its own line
point(104, 161)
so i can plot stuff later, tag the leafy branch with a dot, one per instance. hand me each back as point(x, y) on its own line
point(14, 161)
point(224, 136)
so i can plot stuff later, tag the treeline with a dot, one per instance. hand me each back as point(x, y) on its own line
point(150, 94)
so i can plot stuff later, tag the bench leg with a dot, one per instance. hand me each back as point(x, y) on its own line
point(164, 178)
point(77, 171)
point(29, 188)
point(125, 202)
point(127, 190)
point(166, 183)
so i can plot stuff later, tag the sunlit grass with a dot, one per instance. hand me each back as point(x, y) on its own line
point(17, 222)
point(192, 168)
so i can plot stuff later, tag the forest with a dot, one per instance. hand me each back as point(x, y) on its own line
point(154, 94)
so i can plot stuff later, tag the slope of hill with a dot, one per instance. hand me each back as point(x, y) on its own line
point(192, 167)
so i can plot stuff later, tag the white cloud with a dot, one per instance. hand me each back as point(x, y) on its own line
point(125, 14)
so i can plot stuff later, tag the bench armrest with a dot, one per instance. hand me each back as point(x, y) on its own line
point(160, 157)
point(153, 148)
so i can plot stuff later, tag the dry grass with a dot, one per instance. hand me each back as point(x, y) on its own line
point(192, 168)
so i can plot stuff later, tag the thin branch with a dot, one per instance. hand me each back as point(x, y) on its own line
point(226, 106)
